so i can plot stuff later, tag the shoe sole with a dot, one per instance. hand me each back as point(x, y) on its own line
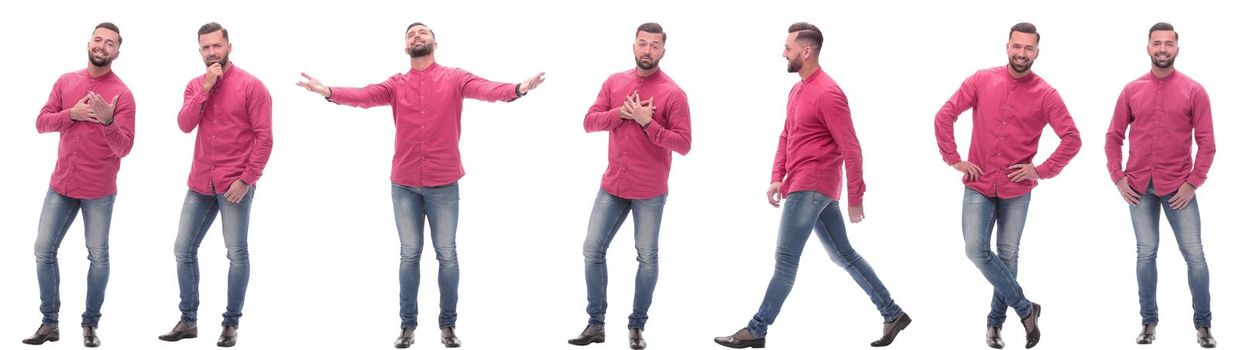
point(758, 345)
point(591, 341)
point(41, 343)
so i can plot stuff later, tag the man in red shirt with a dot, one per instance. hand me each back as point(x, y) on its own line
point(232, 111)
point(1165, 111)
point(426, 106)
point(1010, 107)
point(646, 116)
point(817, 143)
point(93, 111)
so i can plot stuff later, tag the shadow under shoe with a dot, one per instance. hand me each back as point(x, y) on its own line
point(741, 339)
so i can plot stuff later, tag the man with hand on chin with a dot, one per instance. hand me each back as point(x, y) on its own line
point(232, 111)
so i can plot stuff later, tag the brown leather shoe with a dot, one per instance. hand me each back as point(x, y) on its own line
point(741, 339)
point(1147, 334)
point(635, 340)
point(591, 334)
point(891, 329)
point(448, 337)
point(89, 338)
point(1205, 338)
point(45, 333)
point(993, 337)
point(182, 330)
point(228, 337)
point(405, 339)
point(1032, 330)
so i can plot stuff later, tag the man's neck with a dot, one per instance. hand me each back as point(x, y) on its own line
point(420, 63)
point(1162, 73)
point(96, 71)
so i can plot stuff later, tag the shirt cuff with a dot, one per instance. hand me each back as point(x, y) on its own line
point(1194, 180)
point(951, 159)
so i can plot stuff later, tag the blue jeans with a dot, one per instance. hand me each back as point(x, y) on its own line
point(413, 206)
point(608, 215)
point(802, 213)
point(197, 214)
point(1186, 225)
point(58, 214)
point(980, 215)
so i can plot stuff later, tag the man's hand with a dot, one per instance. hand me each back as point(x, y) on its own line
point(236, 191)
point(1023, 172)
point(972, 172)
point(773, 195)
point(213, 73)
point(315, 86)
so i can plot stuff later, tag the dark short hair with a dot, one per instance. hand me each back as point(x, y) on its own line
point(1026, 28)
point(111, 27)
point(432, 31)
point(1162, 26)
point(211, 28)
point(652, 28)
point(807, 34)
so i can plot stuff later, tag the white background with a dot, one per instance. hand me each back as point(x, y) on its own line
point(322, 238)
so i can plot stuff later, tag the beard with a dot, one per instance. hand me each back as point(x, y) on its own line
point(422, 51)
point(647, 62)
point(222, 62)
point(1163, 63)
point(793, 66)
point(1017, 67)
point(99, 62)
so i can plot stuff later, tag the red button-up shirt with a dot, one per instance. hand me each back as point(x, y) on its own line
point(90, 153)
point(1008, 116)
point(639, 159)
point(1164, 115)
point(818, 141)
point(234, 130)
point(426, 107)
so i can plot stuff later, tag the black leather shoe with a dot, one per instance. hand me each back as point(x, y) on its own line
point(741, 339)
point(405, 339)
point(591, 334)
point(228, 337)
point(1205, 338)
point(45, 333)
point(1032, 331)
point(1147, 334)
point(993, 337)
point(449, 338)
point(89, 338)
point(891, 329)
point(635, 340)
point(181, 331)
